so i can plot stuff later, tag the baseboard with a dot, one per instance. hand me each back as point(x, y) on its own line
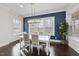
point(4, 44)
point(9, 43)
point(14, 42)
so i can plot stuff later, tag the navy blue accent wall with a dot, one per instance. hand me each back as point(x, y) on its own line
point(25, 25)
point(59, 17)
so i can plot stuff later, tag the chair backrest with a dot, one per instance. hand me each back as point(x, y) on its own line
point(26, 37)
point(35, 39)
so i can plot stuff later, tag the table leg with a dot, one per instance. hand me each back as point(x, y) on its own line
point(20, 42)
point(48, 45)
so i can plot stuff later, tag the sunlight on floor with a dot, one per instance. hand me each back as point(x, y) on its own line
point(16, 50)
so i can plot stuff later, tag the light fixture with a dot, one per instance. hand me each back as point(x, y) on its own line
point(32, 9)
point(33, 13)
point(21, 6)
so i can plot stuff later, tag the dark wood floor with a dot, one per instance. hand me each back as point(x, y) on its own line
point(57, 49)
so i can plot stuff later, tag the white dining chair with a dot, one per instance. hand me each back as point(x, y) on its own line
point(27, 42)
point(45, 43)
point(35, 42)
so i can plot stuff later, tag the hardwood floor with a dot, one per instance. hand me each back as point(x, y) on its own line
point(56, 49)
point(63, 50)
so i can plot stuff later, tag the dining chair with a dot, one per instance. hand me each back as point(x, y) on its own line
point(27, 42)
point(45, 43)
point(21, 39)
point(35, 42)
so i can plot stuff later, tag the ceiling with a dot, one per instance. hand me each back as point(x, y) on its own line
point(28, 8)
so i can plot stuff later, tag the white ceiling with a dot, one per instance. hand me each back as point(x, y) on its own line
point(39, 7)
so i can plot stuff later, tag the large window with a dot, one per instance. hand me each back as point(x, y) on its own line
point(42, 26)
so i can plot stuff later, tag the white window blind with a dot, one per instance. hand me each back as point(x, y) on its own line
point(42, 26)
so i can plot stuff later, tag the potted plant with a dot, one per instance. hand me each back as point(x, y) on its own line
point(63, 31)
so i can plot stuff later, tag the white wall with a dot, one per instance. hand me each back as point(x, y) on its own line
point(73, 40)
point(7, 26)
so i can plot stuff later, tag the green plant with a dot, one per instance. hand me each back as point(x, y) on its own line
point(63, 29)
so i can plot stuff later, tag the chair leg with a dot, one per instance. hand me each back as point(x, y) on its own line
point(38, 51)
point(29, 48)
point(20, 43)
point(32, 49)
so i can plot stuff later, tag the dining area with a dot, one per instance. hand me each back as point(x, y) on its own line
point(36, 35)
point(34, 44)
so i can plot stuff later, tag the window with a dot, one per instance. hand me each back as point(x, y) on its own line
point(16, 26)
point(42, 26)
point(75, 24)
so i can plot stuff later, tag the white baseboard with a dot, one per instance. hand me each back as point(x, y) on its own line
point(3, 44)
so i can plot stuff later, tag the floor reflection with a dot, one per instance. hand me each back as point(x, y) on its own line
point(16, 50)
point(55, 49)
